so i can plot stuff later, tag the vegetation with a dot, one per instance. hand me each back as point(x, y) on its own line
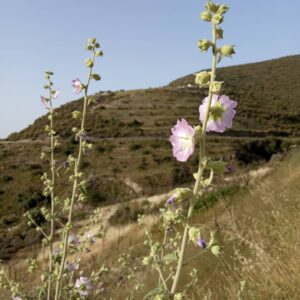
point(134, 146)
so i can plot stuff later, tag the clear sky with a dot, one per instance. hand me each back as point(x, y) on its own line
point(146, 43)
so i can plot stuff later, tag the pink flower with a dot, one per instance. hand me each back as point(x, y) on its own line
point(221, 113)
point(44, 101)
point(73, 240)
point(71, 267)
point(83, 286)
point(91, 237)
point(77, 85)
point(182, 140)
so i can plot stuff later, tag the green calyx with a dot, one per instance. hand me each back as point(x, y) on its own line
point(216, 112)
point(202, 78)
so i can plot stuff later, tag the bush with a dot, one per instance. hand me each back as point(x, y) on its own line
point(258, 150)
point(134, 147)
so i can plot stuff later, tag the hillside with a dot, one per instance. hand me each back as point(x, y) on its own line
point(131, 154)
point(257, 225)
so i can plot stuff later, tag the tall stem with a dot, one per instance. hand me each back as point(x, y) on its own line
point(75, 187)
point(52, 165)
point(202, 140)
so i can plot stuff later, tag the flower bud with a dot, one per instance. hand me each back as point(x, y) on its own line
point(216, 250)
point(99, 53)
point(206, 16)
point(204, 44)
point(202, 78)
point(197, 130)
point(194, 234)
point(182, 193)
point(92, 40)
point(178, 296)
point(89, 63)
point(95, 77)
point(215, 87)
point(227, 50)
point(219, 33)
point(210, 6)
point(223, 9)
point(217, 19)
point(89, 47)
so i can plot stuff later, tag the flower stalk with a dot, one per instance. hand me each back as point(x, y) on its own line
point(76, 176)
point(52, 186)
point(199, 177)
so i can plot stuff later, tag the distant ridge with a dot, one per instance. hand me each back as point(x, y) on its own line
point(268, 94)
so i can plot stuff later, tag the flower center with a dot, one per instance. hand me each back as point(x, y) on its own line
point(216, 112)
point(187, 141)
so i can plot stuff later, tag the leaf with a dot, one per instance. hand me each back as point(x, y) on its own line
point(169, 258)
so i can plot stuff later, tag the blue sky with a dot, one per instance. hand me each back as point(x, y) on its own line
point(146, 44)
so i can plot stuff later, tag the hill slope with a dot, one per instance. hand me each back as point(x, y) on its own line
point(268, 94)
point(131, 154)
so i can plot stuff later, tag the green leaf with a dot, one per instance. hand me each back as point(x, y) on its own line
point(169, 258)
point(218, 166)
point(95, 77)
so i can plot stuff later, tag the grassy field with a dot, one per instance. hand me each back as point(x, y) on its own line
point(132, 157)
point(258, 226)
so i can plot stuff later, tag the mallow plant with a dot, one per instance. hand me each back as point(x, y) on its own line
point(63, 277)
point(216, 113)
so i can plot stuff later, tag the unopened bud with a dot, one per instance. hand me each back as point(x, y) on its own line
point(223, 9)
point(206, 16)
point(147, 261)
point(99, 53)
point(216, 250)
point(92, 40)
point(210, 6)
point(89, 63)
point(227, 50)
point(217, 19)
point(219, 33)
point(204, 45)
point(202, 78)
point(215, 87)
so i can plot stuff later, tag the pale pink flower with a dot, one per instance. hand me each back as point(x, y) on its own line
point(73, 240)
point(83, 286)
point(182, 140)
point(91, 237)
point(221, 113)
point(44, 101)
point(77, 85)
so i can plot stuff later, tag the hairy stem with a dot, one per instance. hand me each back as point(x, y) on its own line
point(75, 187)
point(52, 165)
point(196, 189)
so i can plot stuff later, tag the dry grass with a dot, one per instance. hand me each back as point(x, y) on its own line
point(259, 230)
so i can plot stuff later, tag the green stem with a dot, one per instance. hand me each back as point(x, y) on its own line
point(75, 187)
point(52, 164)
point(202, 140)
point(162, 251)
point(39, 228)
